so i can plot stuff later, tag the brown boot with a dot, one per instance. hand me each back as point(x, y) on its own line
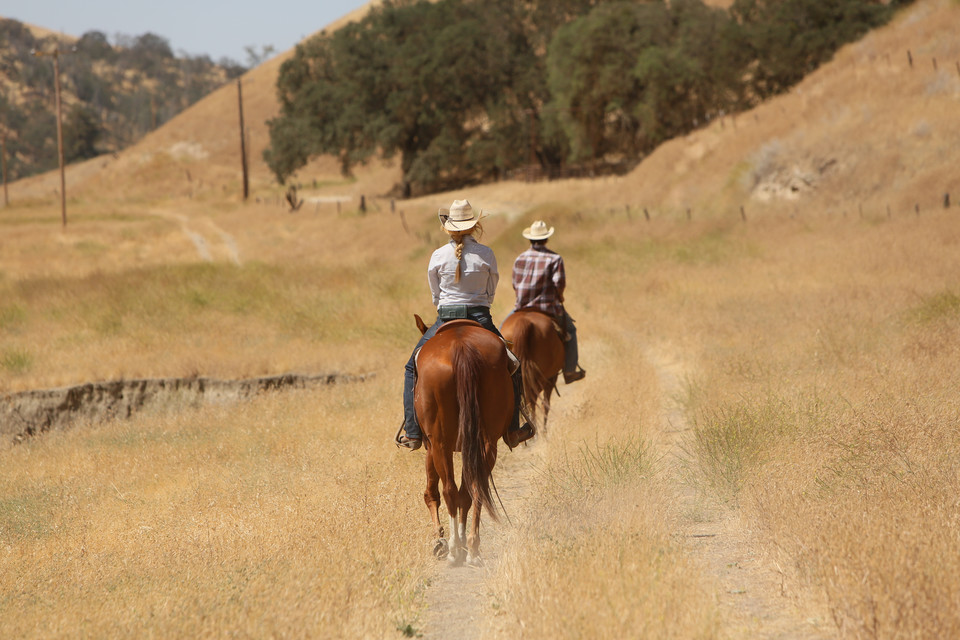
point(573, 376)
point(522, 434)
point(407, 443)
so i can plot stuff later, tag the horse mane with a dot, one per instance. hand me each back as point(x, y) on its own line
point(467, 366)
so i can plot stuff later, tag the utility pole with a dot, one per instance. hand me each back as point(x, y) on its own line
point(3, 155)
point(243, 143)
point(56, 84)
point(533, 145)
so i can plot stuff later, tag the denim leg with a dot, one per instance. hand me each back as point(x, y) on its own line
point(486, 322)
point(410, 423)
point(517, 379)
point(571, 355)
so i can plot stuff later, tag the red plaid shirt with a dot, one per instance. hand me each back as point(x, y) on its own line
point(539, 280)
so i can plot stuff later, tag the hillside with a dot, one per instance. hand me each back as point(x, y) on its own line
point(112, 93)
point(866, 129)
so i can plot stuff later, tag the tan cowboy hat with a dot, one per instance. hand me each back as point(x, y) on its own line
point(538, 231)
point(460, 216)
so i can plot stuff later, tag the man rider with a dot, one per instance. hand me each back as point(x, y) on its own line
point(539, 280)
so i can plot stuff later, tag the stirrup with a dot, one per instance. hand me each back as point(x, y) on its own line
point(573, 376)
point(404, 442)
point(522, 434)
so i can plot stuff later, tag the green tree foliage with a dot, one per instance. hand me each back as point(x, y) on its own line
point(94, 45)
point(81, 132)
point(464, 90)
point(788, 39)
point(433, 82)
point(696, 76)
point(589, 65)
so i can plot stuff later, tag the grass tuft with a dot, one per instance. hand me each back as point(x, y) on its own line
point(731, 443)
point(16, 361)
point(941, 306)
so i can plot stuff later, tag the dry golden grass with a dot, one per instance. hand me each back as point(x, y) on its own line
point(281, 517)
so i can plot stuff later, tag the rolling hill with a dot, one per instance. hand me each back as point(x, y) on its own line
point(872, 128)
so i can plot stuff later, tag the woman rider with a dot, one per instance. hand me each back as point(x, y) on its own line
point(463, 279)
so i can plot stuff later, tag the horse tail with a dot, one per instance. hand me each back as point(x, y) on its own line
point(468, 367)
point(533, 379)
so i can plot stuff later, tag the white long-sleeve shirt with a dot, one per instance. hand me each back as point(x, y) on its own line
point(478, 276)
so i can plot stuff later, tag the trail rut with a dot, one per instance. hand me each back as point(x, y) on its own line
point(751, 590)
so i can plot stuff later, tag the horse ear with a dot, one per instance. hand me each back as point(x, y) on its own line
point(420, 324)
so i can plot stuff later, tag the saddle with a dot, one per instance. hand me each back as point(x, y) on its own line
point(558, 326)
point(463, 322)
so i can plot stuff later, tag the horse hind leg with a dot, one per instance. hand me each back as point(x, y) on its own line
point(455, 557)
point(548, 390)
point(464, 510)
point(451, 498)
point(431, 497)
point(473, 539)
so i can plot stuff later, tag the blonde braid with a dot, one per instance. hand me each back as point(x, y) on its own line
point(458, 237)
point(459, 240)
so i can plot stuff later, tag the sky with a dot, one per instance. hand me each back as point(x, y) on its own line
point(217, 28)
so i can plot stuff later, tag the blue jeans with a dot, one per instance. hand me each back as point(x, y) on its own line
point(410, 423)
point(571, 354)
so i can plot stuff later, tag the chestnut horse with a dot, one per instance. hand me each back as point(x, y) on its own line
point(464, 401)
point(536, 342)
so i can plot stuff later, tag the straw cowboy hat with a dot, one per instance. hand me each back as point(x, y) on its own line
point(460, 216)
point(538, 231)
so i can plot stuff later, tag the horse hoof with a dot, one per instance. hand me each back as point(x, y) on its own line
point(441, 549)
point(474, 561)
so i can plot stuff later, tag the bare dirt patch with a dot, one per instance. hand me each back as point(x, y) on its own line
point(30, 413)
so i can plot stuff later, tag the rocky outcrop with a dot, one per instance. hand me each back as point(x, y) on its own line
point(29, 413)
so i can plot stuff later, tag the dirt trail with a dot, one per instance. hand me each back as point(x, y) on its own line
point(226, 247)
point(751, 590)
point(459, 605)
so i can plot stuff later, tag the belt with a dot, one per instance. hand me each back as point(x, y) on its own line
point(455, 311)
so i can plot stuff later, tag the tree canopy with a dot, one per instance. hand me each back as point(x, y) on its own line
point(467, 90)
point(442, 85)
